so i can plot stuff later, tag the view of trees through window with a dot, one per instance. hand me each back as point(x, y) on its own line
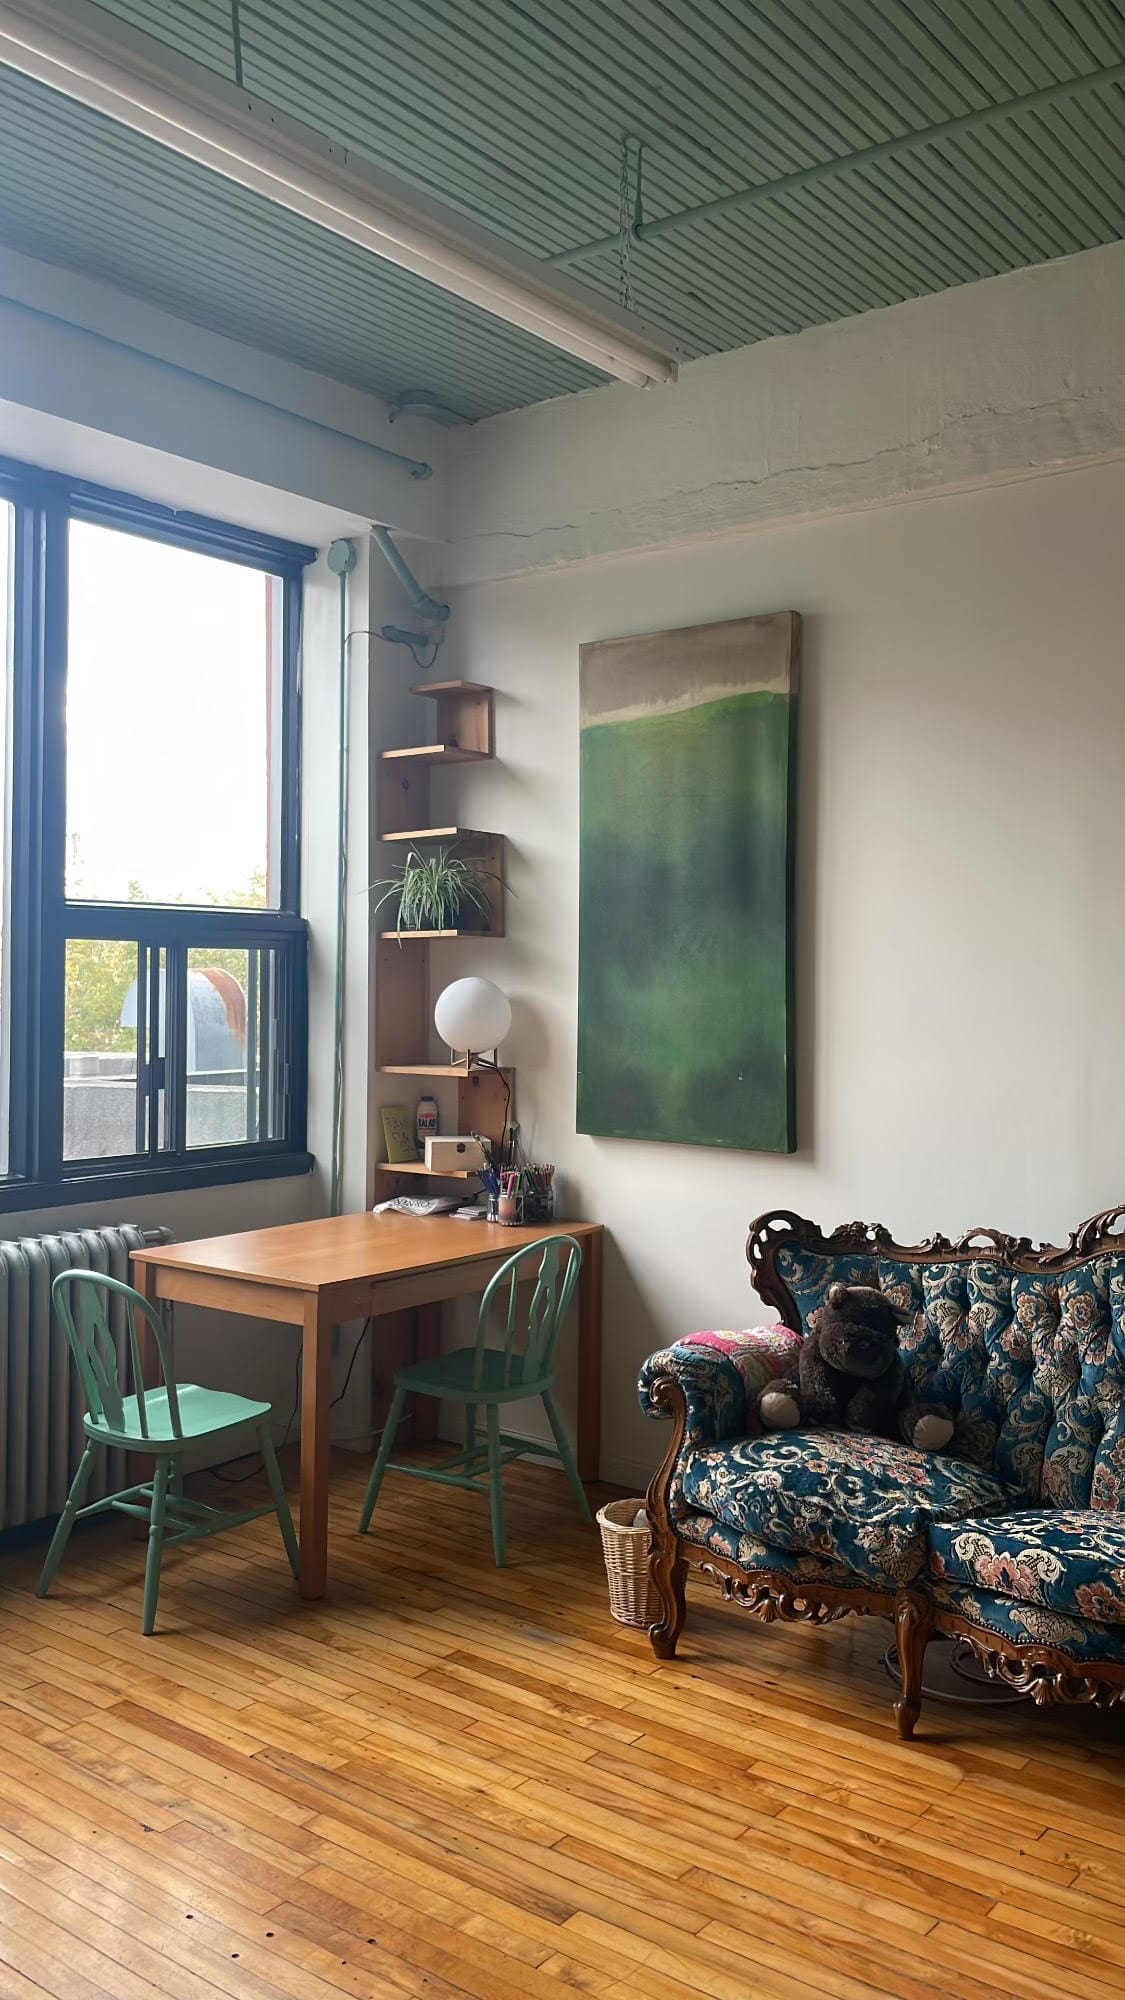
point(100, 976)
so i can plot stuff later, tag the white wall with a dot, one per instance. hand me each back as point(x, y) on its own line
point(961, 954)
point(977, 384)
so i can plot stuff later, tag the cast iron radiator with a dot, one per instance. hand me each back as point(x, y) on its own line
point(41, 1406)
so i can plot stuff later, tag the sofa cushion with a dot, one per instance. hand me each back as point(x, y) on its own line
point(1032, 1625)
point(751, 1554)
point(860, 1501)
point(1037, 1361)
point(1074, 1562)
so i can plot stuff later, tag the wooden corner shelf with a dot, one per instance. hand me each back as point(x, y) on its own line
point(404, 994)
point(420, 834)
point(464, 723)
point(450, 1070)
point(420, 1167)
point(427, 937)
point(435, 688)
point(487, 852)
point(463, 735)
point(434, 753)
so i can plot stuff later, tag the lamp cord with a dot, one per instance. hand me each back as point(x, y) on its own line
point(240, 1478)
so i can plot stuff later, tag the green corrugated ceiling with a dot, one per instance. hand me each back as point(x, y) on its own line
point(517, 116)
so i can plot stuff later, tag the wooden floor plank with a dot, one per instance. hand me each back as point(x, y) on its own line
point(451, 1782)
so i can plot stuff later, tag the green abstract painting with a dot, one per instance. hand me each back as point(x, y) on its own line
point(685, 1007)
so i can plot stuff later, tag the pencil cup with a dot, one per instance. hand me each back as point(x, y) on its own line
point(506, 1208)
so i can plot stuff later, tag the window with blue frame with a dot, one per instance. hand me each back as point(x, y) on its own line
point(152, 953)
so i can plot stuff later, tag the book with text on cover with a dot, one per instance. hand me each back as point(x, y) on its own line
point(398, 1135)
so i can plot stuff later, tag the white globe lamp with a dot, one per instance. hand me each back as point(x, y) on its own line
point(471, 1015)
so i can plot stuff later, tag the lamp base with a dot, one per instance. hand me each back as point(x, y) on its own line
point(471, 1060)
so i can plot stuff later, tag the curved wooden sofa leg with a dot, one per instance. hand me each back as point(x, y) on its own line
point(668, 1576)
point(912, 1631)
point(667, 1569)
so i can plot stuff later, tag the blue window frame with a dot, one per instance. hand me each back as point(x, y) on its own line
point(153, 1032)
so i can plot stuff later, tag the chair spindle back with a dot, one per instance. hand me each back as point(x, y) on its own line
point(82, 1300)
point(531, 1359)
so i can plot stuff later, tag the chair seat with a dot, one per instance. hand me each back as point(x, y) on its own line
point(865, 1502)
point(453, 1375)
point(202, 1412)
point(1070, 1559)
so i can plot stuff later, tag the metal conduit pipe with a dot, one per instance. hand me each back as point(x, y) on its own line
point(868, 156)
point(425, 605)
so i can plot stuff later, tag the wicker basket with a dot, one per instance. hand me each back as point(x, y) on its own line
point(631, 1599)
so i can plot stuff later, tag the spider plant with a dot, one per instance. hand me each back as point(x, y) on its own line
point(435, 892)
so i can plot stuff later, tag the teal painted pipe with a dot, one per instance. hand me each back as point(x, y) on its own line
point(425, 605)
point(396, 636)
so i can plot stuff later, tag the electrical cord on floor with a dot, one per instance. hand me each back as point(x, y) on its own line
point(240, 1478)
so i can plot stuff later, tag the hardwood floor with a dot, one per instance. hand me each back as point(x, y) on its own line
point(451, 1781)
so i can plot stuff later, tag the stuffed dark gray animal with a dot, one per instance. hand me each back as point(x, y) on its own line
point(851, 1376)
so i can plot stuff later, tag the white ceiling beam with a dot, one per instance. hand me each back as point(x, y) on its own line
point(81, 50)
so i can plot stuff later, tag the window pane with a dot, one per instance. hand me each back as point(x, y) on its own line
point(100, 1049)
point(173, 709)
point(7, 634)
point(231, 1044)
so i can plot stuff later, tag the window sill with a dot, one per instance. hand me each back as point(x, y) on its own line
point(127, 1183)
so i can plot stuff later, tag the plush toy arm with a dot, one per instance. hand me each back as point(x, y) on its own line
point(927, 1426)
point(722, 1375)
point(779, 1405)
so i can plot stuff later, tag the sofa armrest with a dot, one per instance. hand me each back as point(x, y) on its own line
point(721, 1376)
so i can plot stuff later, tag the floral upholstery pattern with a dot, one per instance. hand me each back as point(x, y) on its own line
point(1031, 1624)
point(856, 1501)
point(1037, 1362)
point(752, 1554)
point(1024, 1624)
point(722, 1375)
point(1073, 1562)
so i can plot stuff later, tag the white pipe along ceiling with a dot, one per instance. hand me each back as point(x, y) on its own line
point(78, 49)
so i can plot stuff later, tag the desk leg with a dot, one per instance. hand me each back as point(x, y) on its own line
point(589, 1440)
point(144, 1278)
point(315, 1403)
point(427, 1347)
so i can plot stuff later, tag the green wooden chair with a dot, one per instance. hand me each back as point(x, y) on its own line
point(163, 1422)
point(492, 1376)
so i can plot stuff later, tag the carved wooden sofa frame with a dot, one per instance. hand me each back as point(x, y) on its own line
point(1046, 1673)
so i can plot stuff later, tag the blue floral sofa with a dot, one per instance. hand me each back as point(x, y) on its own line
point(1013, 1539)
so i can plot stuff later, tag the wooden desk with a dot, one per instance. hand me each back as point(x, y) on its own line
point(317, 1275)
